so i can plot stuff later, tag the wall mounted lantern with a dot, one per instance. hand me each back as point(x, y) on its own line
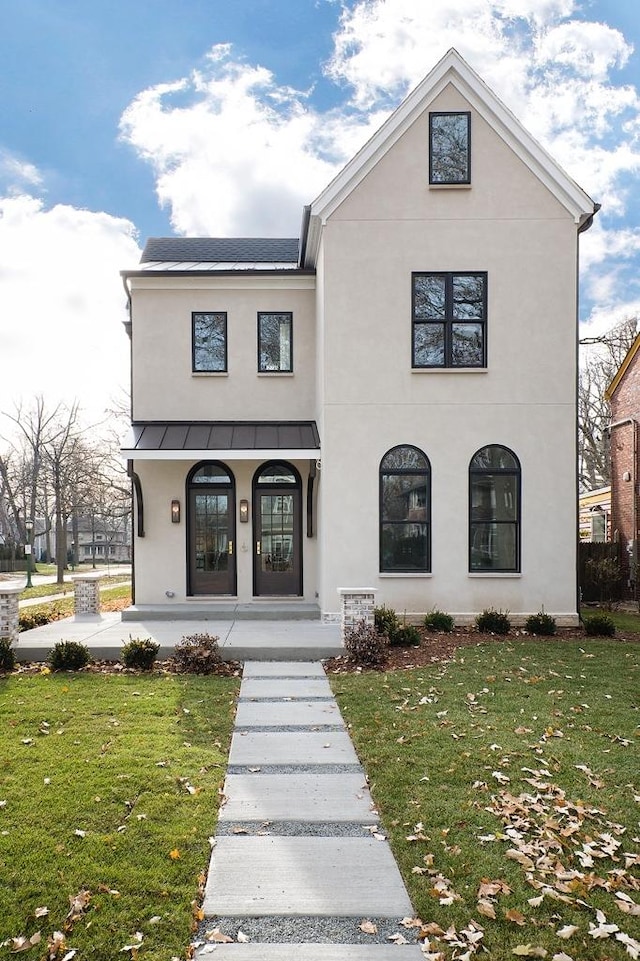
point(175, 512)
point(244, 510)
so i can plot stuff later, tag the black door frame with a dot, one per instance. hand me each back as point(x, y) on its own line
point(231, 490)
point(296, 490)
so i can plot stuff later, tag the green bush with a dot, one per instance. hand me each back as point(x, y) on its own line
point(438, 621)
point(386, 622)
point(407, 635)
point(29, 619)
point(140, 653)
point(599, 625)
point(7, 655)
point(493, 622)
point(541, 623)
point(197, 654)
point(68, 656)
point(366, 645)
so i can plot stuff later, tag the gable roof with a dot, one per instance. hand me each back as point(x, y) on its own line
point(623, 368)
point(451, 69)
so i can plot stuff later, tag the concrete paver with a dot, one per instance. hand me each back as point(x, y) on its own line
point(283, 669)
point(287, 713)
point(286, 687)
point(300, 747)
point(311, 952)
point(311, 797)
point(349, 877)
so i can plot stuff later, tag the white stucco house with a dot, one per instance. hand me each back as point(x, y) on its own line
point(384, 402)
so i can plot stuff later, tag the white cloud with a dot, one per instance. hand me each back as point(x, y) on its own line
point(17, 174)
point(62, 304)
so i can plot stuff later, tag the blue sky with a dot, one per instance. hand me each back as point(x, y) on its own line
point(122, 120)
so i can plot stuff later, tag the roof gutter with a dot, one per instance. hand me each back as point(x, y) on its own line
point(304, 234)
point(584, 226)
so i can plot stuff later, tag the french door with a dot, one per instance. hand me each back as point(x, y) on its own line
point(212, 559)
point(277, 532)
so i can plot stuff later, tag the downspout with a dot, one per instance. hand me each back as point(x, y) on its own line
point(310, 482)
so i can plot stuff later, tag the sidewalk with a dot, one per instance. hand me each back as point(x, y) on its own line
point(299, 860)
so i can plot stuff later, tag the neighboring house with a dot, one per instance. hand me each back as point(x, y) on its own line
point(623, 395)
point(595, 515)
point(384, 402)
point(102, 541)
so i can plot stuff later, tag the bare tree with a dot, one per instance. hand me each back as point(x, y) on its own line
point(600, 360)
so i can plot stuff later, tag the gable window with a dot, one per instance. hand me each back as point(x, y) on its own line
point(449, 313)
point(494, 511)
point(275, 342)
point(405, 511)
point(450, 148)
point(209, 342)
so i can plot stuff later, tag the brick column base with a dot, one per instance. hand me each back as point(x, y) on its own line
point(86, 595)
point(9, 612)
point(356, 604)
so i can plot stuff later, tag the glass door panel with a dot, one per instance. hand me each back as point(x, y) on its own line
point(212, 559)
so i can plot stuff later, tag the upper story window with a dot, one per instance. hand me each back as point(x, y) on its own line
point(405, 511)
point(275, 347)
point(449, 314)
point(209, 342)
point(494, 510)
point(450, 148)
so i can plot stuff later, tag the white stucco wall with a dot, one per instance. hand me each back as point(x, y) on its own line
point(164, 386)
point(508, 224)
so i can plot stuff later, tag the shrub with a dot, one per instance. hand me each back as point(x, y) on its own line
point(407, 635)
point(493, 622)
point(541, 623)
point(197, 654)
point(7, 655)
point(599, 625)
point(364, 644)
point(68, 656)
point(386, 622)
point(38, 617)
point(438, 621)
point(140, 653)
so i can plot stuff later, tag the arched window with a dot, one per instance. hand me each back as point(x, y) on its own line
point(405, 511)
point(494, 510)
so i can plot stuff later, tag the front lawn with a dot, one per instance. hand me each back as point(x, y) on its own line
point(508, 781)
point(109, 791)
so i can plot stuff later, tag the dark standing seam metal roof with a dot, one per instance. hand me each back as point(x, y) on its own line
point(224, 435)
point(221, 250)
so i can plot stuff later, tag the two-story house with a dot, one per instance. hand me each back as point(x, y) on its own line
point(383, 402)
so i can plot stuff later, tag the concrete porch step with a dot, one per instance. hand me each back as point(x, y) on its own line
point(276, 610)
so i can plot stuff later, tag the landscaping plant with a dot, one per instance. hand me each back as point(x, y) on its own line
point(386, 621)
point(140, 653)
point(599, 625)
point(366, 645)
point(437, 620)
point(68, 656)
point(7, 655)
point(491, 621)
point(541, 623)
point(197, 654)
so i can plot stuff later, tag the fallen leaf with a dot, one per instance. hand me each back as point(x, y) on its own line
point(24, 944)
point(243, 938)
point(217, 936)
point(567, 931)
point(174, 855)
point(40, 912)
point(486, 909)
point(368, 927)
point(529, 951)
point(516, 916)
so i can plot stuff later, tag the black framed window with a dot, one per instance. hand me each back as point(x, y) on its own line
point(405, 511)
point(209, 341)
point(494, 510)
point(449, 319)
point(275, 342)
point(450, 148)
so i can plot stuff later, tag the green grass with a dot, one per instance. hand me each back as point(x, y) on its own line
point(627, 622)
point(431, 740)
point(44, 590)
point(113, 757)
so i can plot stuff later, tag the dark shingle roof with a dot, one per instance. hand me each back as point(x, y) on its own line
point(221, 250)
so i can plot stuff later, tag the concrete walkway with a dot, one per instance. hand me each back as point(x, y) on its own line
point(299, 861)
point(239, 640)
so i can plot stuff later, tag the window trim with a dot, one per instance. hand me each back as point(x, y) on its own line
point(209, 370)
point(517, 524)
point(448, 321)
point(450, 183)
point(278, 313)
point(426, 472)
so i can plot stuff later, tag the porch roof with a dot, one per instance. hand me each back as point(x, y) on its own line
point(239, 440)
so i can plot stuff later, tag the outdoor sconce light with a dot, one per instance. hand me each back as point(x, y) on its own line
point(175, 512)
point(626, 476)
point(244, 511)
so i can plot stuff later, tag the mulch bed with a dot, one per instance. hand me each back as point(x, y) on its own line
point(441, 646)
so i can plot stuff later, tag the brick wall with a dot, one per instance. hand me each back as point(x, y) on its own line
point(625, 404)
